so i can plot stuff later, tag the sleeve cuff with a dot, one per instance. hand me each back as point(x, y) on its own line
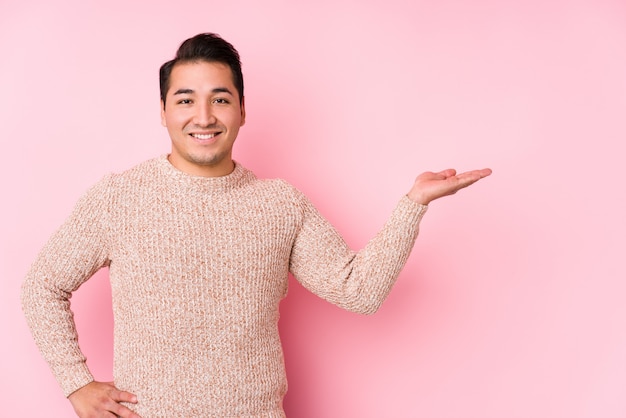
point(411, 210)
point(76, 379)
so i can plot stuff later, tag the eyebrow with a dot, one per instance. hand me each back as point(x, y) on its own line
point(215, 90)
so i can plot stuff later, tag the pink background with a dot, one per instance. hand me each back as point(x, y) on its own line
point(511, 305)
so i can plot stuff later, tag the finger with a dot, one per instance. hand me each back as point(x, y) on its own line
point(485, 172)
point(480, 173)
point(123, 396)
point(448, 172)
point(123, 412)
point(467, 179)
point(475, 174)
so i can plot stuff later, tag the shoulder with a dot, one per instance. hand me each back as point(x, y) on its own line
point(277, 187)
point(273, 196)
point(143, 172)
point(114, 186)
point(139, 177)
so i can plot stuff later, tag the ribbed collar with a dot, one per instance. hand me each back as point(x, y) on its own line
point(237, 178)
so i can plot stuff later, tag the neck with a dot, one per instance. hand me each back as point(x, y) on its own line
point(223, 168)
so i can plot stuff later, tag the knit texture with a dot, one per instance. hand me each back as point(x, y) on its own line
point(198, 267)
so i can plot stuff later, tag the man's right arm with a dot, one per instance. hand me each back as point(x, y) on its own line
point(71, 256)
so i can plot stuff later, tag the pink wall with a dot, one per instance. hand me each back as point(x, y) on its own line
point(512, 302)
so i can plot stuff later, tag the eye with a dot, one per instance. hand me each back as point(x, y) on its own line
point(184, 101)
point(220, 100)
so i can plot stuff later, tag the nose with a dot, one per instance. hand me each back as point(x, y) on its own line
point(204, 115)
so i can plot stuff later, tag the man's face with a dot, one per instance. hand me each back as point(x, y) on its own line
point(202, 114)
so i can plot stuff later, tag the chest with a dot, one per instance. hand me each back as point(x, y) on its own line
point(175, 238)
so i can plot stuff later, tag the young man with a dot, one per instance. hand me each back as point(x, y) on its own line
point(199, 252)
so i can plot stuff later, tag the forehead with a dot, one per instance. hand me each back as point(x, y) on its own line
point(197, 75)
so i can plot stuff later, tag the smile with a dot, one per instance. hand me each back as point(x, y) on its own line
point(204, 136)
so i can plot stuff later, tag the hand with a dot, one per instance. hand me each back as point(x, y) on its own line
point(430, 186)
point(102, 399)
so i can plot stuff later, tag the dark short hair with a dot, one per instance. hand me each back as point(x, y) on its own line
point(207, 47)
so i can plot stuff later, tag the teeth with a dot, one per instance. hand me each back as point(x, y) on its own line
point(203, 136)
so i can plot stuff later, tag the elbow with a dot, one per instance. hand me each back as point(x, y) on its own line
point(364, 306)
point(36, 297)
point(28, 296)
point(364, 300)
point(25, 295)
point(369, 310)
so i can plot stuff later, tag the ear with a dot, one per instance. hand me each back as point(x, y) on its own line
point(163, 122)
point(243, 111)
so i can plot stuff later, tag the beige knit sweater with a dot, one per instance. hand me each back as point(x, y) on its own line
point(198, 267)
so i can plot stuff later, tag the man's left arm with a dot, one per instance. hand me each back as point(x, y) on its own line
point(360, 281)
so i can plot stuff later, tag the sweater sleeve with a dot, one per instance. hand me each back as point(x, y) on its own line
point(356, 281)
point(71, 256)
